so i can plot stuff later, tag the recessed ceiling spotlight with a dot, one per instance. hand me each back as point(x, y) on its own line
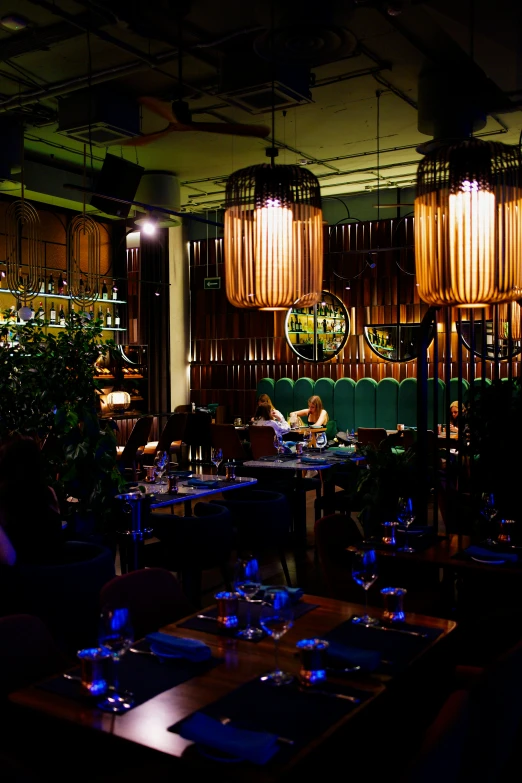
point(13, 22)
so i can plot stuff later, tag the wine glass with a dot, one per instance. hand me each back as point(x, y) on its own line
point(161, 461)
point(116, 635)
point(306, 438)
point(405, 516)
point(280, 446)
point(247, 582)
point(488, 511)
point(217, 459)
point(321, 440)
point(365, 573)
point(276, 618)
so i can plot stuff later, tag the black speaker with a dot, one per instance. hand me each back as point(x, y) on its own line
point(118, 178)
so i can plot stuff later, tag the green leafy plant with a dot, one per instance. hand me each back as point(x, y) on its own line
point(48, 390)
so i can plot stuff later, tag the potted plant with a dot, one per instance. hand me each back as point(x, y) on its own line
point(48, 390)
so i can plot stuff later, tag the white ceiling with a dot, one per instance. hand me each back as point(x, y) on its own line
point(351, 152)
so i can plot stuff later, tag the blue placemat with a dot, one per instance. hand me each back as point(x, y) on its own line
point(285, 711)
point(197, 624)
point(487, 555)
point(145, 676)
point(397, 650)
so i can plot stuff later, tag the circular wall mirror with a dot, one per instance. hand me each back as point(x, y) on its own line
point(318, 333)
point(394, 342)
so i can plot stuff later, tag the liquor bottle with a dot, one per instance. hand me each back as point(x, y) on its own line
point(41, 285)
point(291, 323)
point(104, 291)
point(52, 314)
point(61, 316)
point(100, 316)
point(117, 318)
point(108, 318)
point(40, 315)
point(91, 313)
point(50, 284)
point(32, 312)
point(18, 306)
point(324, 325)
point(114, 292)
point(61, 284)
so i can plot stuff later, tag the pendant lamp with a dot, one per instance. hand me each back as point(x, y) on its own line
point(468, 224)
point(273, 237)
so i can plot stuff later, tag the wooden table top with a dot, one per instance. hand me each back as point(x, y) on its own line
point(146, 725)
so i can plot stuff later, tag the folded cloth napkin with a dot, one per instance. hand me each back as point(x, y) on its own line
point(195, 482)
point(487, 554)
point(191, 649)
point(342, 655)
point(258, 747)
point(295, 593)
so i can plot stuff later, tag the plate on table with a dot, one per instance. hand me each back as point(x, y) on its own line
point(488, 560)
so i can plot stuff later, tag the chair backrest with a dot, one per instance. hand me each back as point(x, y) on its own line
point(225, 436)
point(173, 432)
point(28, 652)
point(153, 595)
point(138, 437)
point(65, 594)
point(261, 441)
point(371, 435)
point(333, 534)
point(262, 519)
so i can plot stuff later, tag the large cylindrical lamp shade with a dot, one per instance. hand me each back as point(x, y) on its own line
point(273, 238)
point(468, 224)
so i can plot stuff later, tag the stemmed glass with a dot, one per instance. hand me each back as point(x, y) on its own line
point(321, 440)
point(488, 510)
point(247, 582)
point(161, 461)
point(365, 573)
point(276, 618)
point(405, 516)
point(116, 635)
point(306, 438)
point(280, 446)
point(217, 459)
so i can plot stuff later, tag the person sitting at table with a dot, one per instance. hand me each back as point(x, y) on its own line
point(29, 511)
point(276, 415)
point(264, 418)
point(457, 414)
point(317, 415)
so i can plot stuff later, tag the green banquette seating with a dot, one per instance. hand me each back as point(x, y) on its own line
point(363, 403)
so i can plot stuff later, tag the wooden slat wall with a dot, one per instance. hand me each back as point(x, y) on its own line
point(232, 348)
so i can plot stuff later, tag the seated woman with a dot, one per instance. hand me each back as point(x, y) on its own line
point(317, 415)
point(29, 512)
point(264, 418)
point(276, 415)
point(457, 416)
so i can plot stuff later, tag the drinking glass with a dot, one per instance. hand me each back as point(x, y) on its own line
point(116, 635)
point(306, 438)
point(488, 506)
point(365, 573)
point(217, 459)
point(247, 582)
point(280, 446)
point(405, 516)
point(276, 618)
point(321, 440)
point(161, 462)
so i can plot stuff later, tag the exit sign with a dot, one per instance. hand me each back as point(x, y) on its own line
point(211, 283)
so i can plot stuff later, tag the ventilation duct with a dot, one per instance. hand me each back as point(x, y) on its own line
point(160, 189)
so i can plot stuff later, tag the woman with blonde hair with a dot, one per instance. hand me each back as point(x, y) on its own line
point(317, 415)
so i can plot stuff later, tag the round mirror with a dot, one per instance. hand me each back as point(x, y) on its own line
point(318, 333)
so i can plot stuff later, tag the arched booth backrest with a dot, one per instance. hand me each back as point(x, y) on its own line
point(324, 388)
point(432, 425)
point(387, 403)
point(266, 386)
point(303, 390)
point(365, 402)
point(407, 412)
point(284, 396)
point(344, 403)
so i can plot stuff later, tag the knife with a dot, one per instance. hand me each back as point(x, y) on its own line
point(398, 630)
point(334, 695)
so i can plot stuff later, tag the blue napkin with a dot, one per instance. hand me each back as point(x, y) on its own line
point(258, 747)
point(191, 649)
point(487, 554)
point(210, 483)
point(342, 655)
point(314, 460)
point(295, 593)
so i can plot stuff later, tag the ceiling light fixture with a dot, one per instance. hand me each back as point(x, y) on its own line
point(147, 224)
point(273, 238)
point(468, 224)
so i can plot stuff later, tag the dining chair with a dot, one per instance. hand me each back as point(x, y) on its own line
point(225, 437)
point(153, 595)
point(170, 439)
point(371, 436)
point(334, 533)
point(190, 545)
point(261, 441)
point(128, 456)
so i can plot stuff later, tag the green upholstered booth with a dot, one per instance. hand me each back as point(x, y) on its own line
point(284, 396)
point(303, 390)
point(387, 402)
point(365, 403)
point(407, 410)
point(432, 425)
point(344, 403)
point(266, 386)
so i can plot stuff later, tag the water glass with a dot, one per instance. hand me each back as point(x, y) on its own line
point(365, 572)
point(247, 582)
point(115, 637)
point(276, 618)
point(313, 655)
point(394, 604)
point(94, 664)
point(388, 536)
point(227, 608)
point(406, 517)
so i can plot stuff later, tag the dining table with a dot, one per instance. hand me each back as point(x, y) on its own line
point(284, 733)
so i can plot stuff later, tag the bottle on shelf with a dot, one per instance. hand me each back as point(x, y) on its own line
point(100, 316)
point(117, 320)
point(108, 318)
point(291, 323)
point(52, 314)
point(104, 291)
point(61, 316)
point(91, 313)
point(114, 291)
point(324, 325)
point(40, 314)
point(50, 284)
point(41, 285)
point(61, 284)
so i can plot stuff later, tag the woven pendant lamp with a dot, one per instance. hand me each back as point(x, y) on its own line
point(273, 238)
point(468, 224)
point(507, 313)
